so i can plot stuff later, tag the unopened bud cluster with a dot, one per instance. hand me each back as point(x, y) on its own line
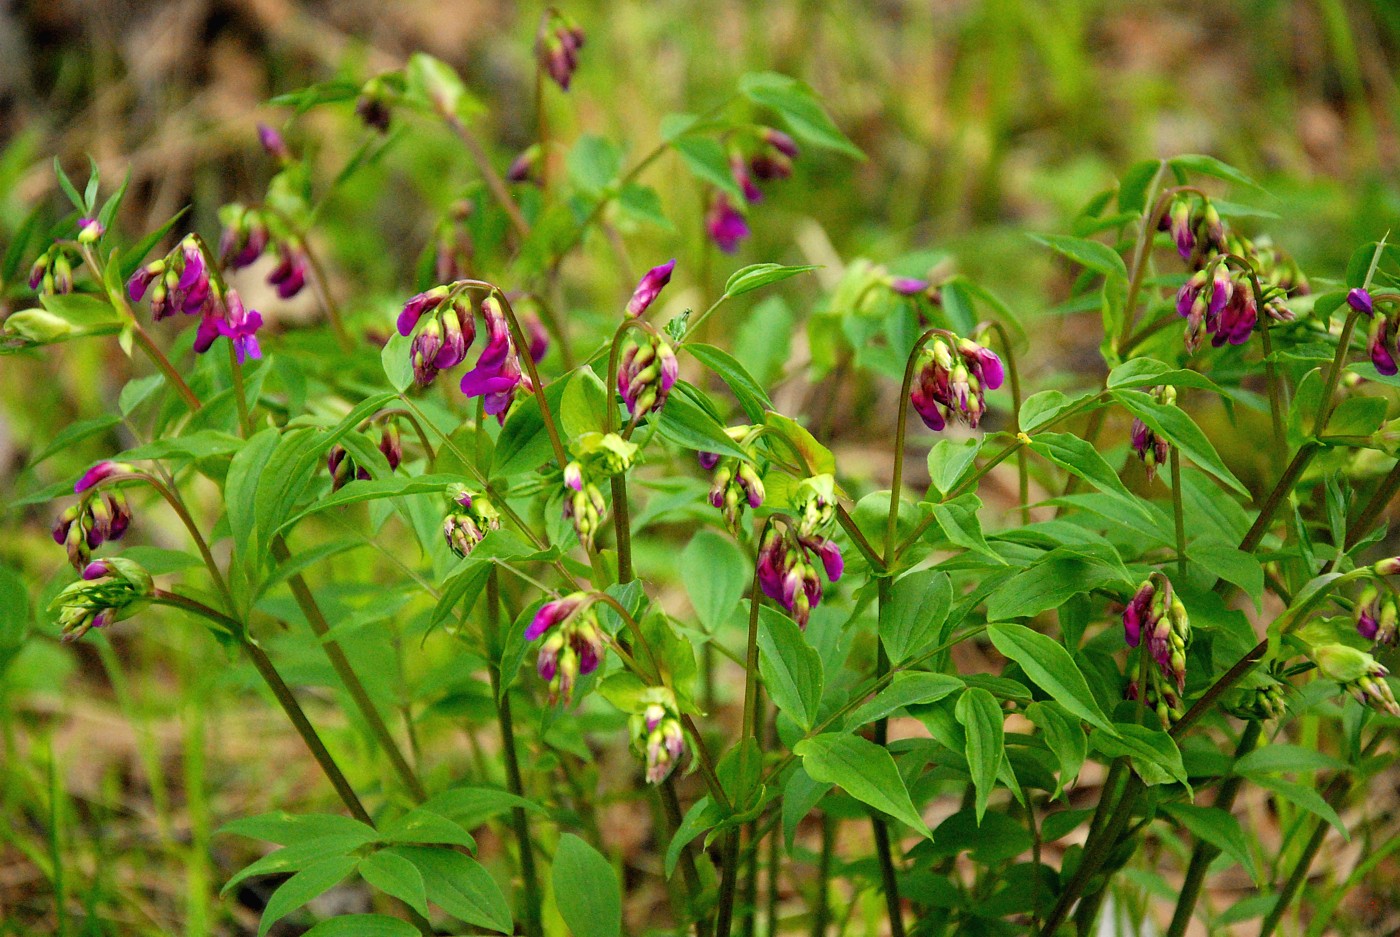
point(1358, 673)
point(1151, 448)
point(469, 520)
point(951, 379)
point(787, 573)
point(657, 734)
point(734, 482)
point(573, 643)
point(596, 456)
point(1157, 615)
point(111, 590)
point(646, 375)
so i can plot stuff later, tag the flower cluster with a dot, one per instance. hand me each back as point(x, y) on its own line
point(734, 482)
point(1358, 673)
point(246, 237)
point(111, 590)
point(951, 381)
point(182, 282)
point(657, 734)
point(1156, 613)
point(557, 47)
point(1151, 448)
point(596, 456)
point(471, 518)
point(771, 158)
point(1195, 227)
point(573, 643)
point(52, 273)
point(1219, 303)
point(1159, 697)
point(1383, 339)
point(98, 518)
point(646, 375)
point(1259, 696)
point(786, 572)
point(1377, 615)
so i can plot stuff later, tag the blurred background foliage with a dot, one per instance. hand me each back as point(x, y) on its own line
point(981, 120)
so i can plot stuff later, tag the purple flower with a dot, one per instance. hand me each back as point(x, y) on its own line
point(983, 363)
point(524, 167)
point(725, 224)
point(1360, 300)
point(948, 387)
point(414, 309)
point(240, 327)
point(557, 47)
point(535, 332)
point(273, 143)
point(241, 244)
point(98, 473)
point(780, 141)
point(141, 280)
point(1237, 320)
point(552, 614)
point(908, 286)
point(652, 282)
point(832, 562)
point(707, 460)
point(1137, 613)
point(289, 276)
point(1382, 345)
point(740, 171)
point(1181, 229)
point(497, 373)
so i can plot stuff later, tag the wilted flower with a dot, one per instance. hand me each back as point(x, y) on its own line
point(652, 282)
point(954, 387)
point(117, 589)
point(657, 734)
point(726, 225)
point(343, 468)
point(646, 374)
point(391, 444)
point(1358, 673)
point(774, 160)
point(573, 643)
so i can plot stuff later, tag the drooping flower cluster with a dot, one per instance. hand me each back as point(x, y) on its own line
point(735, 482)
point(1383, 338)
point(1195, 226)
point(768, 157)
point(111, 590)
point(952, 385)
point(596, 456)
point(1358, 673)
point(1217, 302)
point(470, 519)
point(344, 469)
point(182, 282)
point(657, 734)
point(1259, 696)
point(1151, 448)
point(558, 44)
point(786, 572)
point(249, 232)
point(573, 643)
point(646, 374)
point(98, 518)
point(1155, 613)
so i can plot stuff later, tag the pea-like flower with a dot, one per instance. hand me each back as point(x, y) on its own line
point(497, 374)
point(650, 286)
point(726, 225)
point(646, 375)
point(289, 276)
point(657, 734)
point(1358, 673)
point(471, 518)
point(735, 482)
point(952, 385)
point(244, 237)
point(572, 646)
point(1382, 344)
point(774, 159)
point(1155, 613)
point(786, 573)
point(1151, 448)
point(93, 521)
point(558, 45)
point(1377, 616)
point(100, 472)
point(1360, 300)
point(111, 590)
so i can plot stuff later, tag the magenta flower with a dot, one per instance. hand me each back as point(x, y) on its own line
point(1382, 345)
point(414, 309)
point(273, 143)
point(1360, 300)
point(98, 473)
point(240, 327)
point(740, 171)
point(651, 285)
point(1181, 229)
point(497, 373)
point(725, 224)
point(289, 276)
point(908, 286)
point(559, 42)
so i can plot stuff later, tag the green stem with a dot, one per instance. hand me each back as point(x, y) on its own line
point(1335, 793)
point(883, 852)
point(239, 395)
point(522, 345)
point(521, 823)
point(821, 914)
point(494, 183)
point(1179, 516)
point(1204, 853)
point(311, 611)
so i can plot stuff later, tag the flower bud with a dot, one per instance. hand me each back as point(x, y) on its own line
point(1358, 673)
point(37, 326)
point(1360, 300)
point(650, 286)
point(726, 226)
point(117, 589)
point(89, 230)
point(273, 144)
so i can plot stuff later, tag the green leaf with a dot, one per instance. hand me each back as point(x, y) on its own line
point(586, 889)
point(398, 365)
point(799, 110)
point(706, 160)
point(82, 310)
point(1231, 564)
point(864, 770)
point(1081, 458)
point(363, 925)
point(1039, 409)
point(1149, 372)
point(422, 825)
point(1091, 254)
point(307, 884)
point(948, 462)
point(702, 815)
point(1154, 754)
point(461, 886)
point(715, 574)
point(1058, 575)
point(593, 163)
point(906, 689)
point(396, 876)
point(791, 669)
point(817, 458)
point(688, 425)
point(1304, 796)
point(757, 276)
point(1176, 427)
point(286, 828)
point(1051, 668)
point(1279, 756)
point(1064, 736)
point(584, 405)
point(750, 394)
point(472, 806)
point(911, 622)
point(72, 434)
point(66, 185)
point(524, 444)
point(375, 489)
point(1220, 829)
point(1210, 166)
point(958, 521)
point(981, 717)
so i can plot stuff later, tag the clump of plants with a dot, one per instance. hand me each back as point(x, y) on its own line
point(1155, 620)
